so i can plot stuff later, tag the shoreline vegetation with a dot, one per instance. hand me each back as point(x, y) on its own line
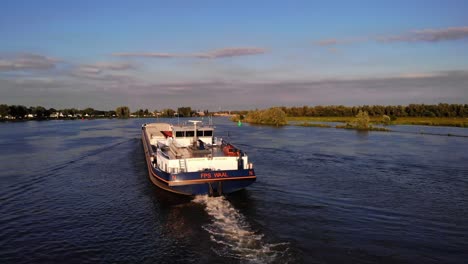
point(418, 121)
point(377, 118)
point(275, 116)
point(372, 118)
point(15, 113)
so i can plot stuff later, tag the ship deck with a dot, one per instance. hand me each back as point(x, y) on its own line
point(186, 153)
point(160, 135)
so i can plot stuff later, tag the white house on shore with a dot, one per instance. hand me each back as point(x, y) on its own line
point(56, 115)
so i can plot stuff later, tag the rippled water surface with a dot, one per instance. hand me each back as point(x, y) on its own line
point(78, 192)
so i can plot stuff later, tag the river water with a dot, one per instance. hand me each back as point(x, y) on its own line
point(78, 192)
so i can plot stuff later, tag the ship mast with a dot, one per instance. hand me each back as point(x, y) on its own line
point(195, 122)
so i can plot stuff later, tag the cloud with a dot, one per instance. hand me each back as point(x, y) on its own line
point(423, 87)
point(421, 75)
point(102, 71)
point(86, 74)
point(334, 42)
point(113, 66)
point(327, 42)
point(27, 61)
point(424, 35)
point(428, 35)
point(145, 54)
point(100, 67)
point(89, 70)
point(106, 91)
point(214, 54)
point(233, 52)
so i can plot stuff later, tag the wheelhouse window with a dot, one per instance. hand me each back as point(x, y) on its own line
point(200, 133)
point(189, 133)
point(208, 133)
point(179, 134)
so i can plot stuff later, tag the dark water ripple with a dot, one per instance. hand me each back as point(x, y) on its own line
point(78, 192)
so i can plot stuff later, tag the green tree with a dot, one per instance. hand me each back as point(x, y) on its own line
point(139, 113)
point(90, 111)
point(4, 110)
point(168, 112)
point(122, 112)
point(386, 120)
point(362, 120)
point(185, 111)
point(273, 116)
point(40, 112)
point(110, 113)
point(18, 111)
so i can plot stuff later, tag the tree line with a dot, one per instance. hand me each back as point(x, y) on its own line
point(40, 112)
point(184, 111)
point(21, 112)
point(412, 110)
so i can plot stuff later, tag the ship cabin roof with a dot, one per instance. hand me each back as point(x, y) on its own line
point(189, 131)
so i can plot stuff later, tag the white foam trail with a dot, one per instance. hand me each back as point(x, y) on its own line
point(235, 238)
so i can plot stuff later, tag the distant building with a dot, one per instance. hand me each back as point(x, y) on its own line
point(223, 114)
point(56, 115)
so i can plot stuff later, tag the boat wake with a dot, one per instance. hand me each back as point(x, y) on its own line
point(234, 237)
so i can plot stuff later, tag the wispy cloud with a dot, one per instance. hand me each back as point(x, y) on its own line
point(99, 67)
point(27, 61)
point(146, 54)
point(113, 66)
point(334, 42)
point(424, 35)
point(90, 74)
point(102, 71)
point(109, 90)
point(327, 42)
point(232, 52)
point(428, 35)
point(423, 87)
point(88, 70)
point(214, 54)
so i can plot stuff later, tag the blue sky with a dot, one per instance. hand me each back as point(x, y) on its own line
point(237, 55)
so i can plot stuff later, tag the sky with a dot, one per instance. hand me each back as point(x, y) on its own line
point(232, 55)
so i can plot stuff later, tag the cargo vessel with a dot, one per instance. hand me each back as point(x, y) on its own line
point(188, 159)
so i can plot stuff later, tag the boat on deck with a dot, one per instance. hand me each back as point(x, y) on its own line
point(187, 159)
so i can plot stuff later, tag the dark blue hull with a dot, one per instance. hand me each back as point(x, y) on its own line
point(194, 183)
point(198, 183)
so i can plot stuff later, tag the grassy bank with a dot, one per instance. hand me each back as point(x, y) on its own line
point(423, 121)
point(305, 124)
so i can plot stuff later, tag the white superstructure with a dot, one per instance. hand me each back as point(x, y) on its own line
point(192, 148)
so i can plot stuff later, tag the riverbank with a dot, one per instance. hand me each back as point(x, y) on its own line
point(420, 121)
